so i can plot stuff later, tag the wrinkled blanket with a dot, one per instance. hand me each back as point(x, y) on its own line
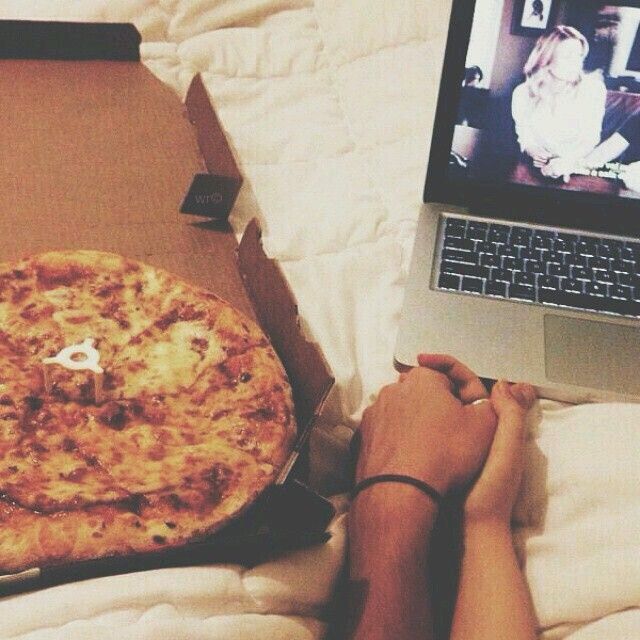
point(328, 106)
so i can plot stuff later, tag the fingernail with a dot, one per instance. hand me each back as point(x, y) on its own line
point(523, 395)
point(503, 387)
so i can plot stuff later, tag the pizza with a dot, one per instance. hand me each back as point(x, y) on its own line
point(191, 419)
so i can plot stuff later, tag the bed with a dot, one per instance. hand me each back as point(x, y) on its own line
point(328, 107)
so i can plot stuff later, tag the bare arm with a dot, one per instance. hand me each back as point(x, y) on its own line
point(493, 599)
point(606, 151)
point(424, 426)
point(389, 529)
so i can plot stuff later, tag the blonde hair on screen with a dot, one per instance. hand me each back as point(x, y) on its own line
point(536, 68)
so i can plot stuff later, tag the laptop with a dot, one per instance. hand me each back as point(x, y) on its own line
point(526, 264)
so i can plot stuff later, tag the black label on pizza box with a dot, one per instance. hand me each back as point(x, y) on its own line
point(212, 196)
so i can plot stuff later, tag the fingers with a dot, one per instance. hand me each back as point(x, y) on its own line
point(468, 385)
point(483, 416)
point(511, 403)
point(525, 394)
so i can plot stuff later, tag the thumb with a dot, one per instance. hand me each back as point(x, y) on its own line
point(511, 403)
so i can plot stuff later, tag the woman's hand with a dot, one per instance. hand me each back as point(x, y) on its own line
point(538, 154)
point(427, 426)
point(493, 496)
point(559, 168)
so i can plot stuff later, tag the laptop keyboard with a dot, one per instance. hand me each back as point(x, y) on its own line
point(540, 266)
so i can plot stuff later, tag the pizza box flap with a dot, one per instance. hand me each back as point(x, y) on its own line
point(99, 154)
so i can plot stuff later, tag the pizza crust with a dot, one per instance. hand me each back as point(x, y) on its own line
point(197, 421)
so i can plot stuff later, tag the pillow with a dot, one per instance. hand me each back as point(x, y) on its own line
point(577, 519)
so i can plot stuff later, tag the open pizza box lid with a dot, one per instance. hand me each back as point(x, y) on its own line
point(99, 154)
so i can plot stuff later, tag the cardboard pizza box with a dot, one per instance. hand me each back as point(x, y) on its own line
point(97, 153)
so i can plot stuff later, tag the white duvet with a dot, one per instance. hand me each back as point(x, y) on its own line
point(328, 106)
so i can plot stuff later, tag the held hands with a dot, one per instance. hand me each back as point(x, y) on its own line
point(493, 495)
point(558, 168)
point(427, 426)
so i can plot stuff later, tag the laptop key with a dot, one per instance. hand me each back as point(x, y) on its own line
point(621, 292)
point(521, 292)
point(621, 266)
point(530, 254)
point(596, 289)
point(575, 300)
point(555, 256)
point(502, 275)
point(630, 252)
point(476, 234)
point(604, 276)
point(487, 247)
point(472, 285)
point(528, 279)
point(579, 273)
point(538, 242)
point(571, 286)
point(549, 282)
point(577, 261)
point(623, 307)
point(533, 266)
point(558, 270)
point(459, 243)
point(507, 251)
point(496, 288)
point(586, 248)
point(455, 255)
point(563, 246)
point(498, 235)
point(449, 281)
point(489, 260)
point(455, 223)
point(462, 269)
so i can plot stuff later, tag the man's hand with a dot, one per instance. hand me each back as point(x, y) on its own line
point(492, 497)
point(427, 426)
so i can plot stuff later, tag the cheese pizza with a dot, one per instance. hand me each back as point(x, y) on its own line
point(189, 420)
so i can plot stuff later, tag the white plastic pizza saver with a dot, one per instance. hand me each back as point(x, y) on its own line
point(77, 357)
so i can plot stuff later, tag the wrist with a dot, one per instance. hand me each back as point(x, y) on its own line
point(493, 528)
point(392, 511)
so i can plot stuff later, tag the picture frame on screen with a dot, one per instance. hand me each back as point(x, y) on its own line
point(532, 17)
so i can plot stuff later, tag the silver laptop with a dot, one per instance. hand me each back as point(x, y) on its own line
point(526, 263)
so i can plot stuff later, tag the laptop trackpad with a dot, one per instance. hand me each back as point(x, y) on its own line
point(587, 353)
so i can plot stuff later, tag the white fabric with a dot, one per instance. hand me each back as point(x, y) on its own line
point(283, 598)
point(328, 106)
point(551, 123)
point(578, 518)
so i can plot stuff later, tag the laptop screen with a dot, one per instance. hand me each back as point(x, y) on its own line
point(550, 97)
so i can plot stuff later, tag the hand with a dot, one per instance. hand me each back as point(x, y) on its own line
point(538, 154)
point(559, 168)
point(493, 495)
point(425, 426)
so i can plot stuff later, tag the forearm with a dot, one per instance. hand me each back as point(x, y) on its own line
point(606, 151)
point(389, 533)
point(493, 599)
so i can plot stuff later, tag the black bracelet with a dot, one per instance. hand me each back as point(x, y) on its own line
point(390, 477)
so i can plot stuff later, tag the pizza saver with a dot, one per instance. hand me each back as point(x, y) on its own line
point(77, 357)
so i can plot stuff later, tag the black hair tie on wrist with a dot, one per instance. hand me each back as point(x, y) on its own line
point(389, 477)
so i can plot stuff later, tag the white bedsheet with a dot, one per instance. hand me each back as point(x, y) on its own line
point(328, 106)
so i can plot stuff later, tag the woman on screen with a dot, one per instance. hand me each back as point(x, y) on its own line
point(559, 109)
